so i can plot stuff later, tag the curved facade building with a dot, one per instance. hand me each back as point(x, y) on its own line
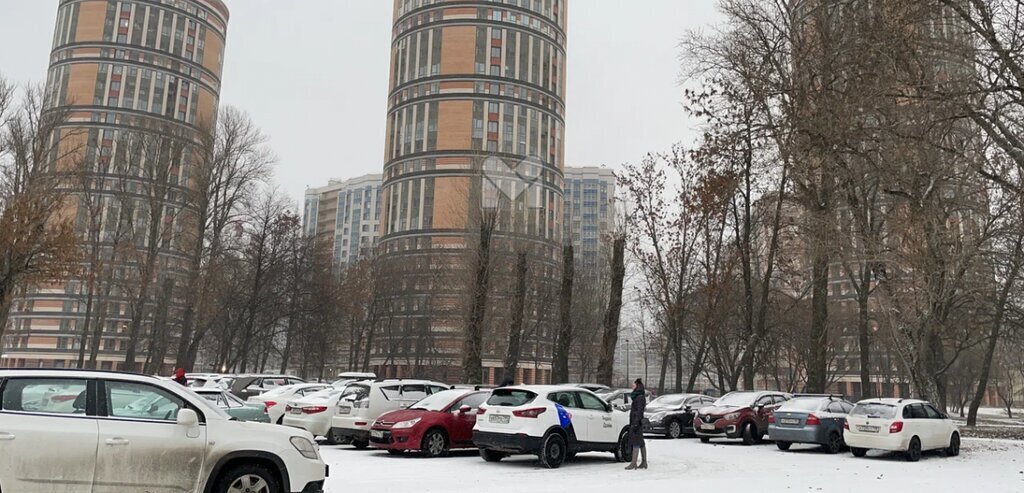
point(475, 122)
point(121, 67)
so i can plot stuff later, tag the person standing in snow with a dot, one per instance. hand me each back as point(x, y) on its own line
point(179, 376)
point(636, 425)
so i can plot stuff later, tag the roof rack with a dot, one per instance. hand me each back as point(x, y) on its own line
point(830, 396)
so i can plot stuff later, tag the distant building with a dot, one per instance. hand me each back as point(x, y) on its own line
point(345, 213)
point(589, 213)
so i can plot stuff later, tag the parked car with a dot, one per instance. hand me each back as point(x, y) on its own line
point(810, 419)
point(553, 422)
point(353, 420)
point(593, 387)
point(235, 407)
point(351, 377)
point(246, 386)
point(206, 381)
point(438, 423)
point(900, 425)
point(313, 412)
point(105, 438)
point(741, 415)
point(275, 401)
point(620, 398)
point(672, 414)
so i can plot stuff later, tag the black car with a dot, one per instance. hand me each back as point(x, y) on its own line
point(672, 414)
point(816, 419)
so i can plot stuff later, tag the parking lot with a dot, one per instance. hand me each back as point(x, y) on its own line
point(985, 466)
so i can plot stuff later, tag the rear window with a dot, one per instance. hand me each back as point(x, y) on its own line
point(510, 397)
point(874, 410)
point(801, 404)
point(355, 392)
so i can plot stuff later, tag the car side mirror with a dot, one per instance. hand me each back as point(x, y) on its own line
point(465, 410)
point(188, 418)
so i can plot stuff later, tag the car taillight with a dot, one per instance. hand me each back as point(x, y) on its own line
point(268, 404)
point(812, 420)
point(846, 425)
point(480, 410)
point(287, 409)
point(896, 427)
point(771, 418)
point(314, 409)
point(529, 413)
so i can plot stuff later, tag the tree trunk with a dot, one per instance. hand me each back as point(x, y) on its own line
point(817, 364)
point(472, 359)
point(864, 334)
point(560, 364)
point(159, 343)
point(515, 331)
point(698, 363)
point(610, 337)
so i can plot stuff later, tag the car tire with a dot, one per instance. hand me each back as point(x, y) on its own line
point(674, 429)
point(705, 440)
point(329, 438)
point(913, 453)
point(834, 443)
point(491, 455)
point(623, 449)
point(360, 444)
point(248, 477)
point(954, 446)
point(859, 452)
point(783, 445)
point(552, 451)
point(749, 434)
point(434, 444)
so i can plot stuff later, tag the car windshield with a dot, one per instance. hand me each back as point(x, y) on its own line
point(801, 404)
point(210, 396)
point(510, 397)
point(874, 410)
point(667, 401)
point(205, 405)
point(355, 392)
point(438, 401)
point(736, 399)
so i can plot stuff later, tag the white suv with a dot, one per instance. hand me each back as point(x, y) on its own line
point(73, 431)
point(353, 419)
point(554, 422)
point(900, 425)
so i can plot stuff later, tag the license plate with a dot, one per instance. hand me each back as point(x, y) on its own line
point(789, 421)
point(707, 427)
point(376, 433)
point(498, 419)
point(868, 429)
point(296, 410)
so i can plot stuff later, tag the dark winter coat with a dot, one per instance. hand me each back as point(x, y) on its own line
point(636, 417)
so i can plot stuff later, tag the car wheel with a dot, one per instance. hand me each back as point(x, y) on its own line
point(835, 444)
point(750, 436)
point(954, 446)
point(248, 478)
point(782, 445)
point(913, 453)
point(434, 444)
point(552, 452)
point(705, 440)
point(624, 450)
point(360, 444)
point(675, 429)
point(859, 452)
point(491, 455)
point(329, 438)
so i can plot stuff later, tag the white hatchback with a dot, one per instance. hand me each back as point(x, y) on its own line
point(73, 431)
point(553, 422)
point(900, 425)
point(353, 419)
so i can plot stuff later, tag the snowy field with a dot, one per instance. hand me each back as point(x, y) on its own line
point(984, 466)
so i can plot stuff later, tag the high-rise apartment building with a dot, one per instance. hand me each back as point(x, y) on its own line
point(346, 215)
point(475, 123)
point(139, 78)
point(589, 215)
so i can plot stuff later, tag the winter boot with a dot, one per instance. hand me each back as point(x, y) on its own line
point(643, 463)
point(632, 465)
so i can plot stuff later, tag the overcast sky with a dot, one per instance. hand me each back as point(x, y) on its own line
point(313, 74)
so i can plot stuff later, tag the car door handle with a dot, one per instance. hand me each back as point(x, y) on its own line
point(6, 437)
point(114, 442)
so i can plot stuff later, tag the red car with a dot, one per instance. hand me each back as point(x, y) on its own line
point(744, 415)
point(438, 423)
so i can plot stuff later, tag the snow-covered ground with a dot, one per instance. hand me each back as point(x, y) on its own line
point(985, 466)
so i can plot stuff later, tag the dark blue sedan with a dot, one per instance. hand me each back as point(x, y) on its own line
point(816, 419)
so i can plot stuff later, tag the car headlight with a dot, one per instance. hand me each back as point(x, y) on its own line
point(305, 447)
point(657, 416)
point(401, 425)
point(732, 416)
